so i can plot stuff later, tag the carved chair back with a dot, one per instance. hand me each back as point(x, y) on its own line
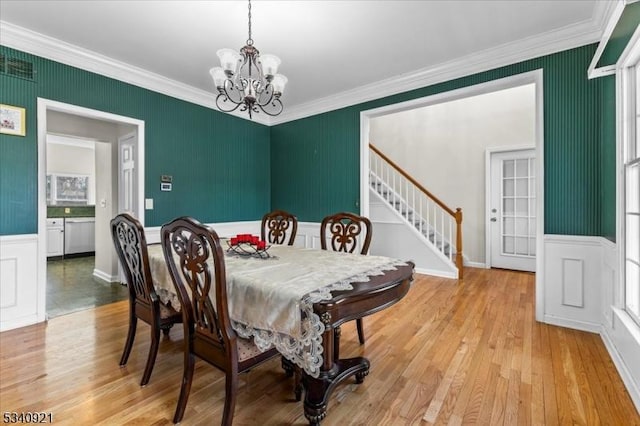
point(279, 227)
point(131, 247)
point(196, 264)
point(346, 232)
point(195, 260)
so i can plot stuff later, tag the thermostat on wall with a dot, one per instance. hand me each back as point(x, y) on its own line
point(165, 187)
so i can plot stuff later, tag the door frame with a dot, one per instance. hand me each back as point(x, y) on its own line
point(535, 77)
point(45, 105)
point(487, 195)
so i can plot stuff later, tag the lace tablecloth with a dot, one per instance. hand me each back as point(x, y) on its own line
point(272, 299)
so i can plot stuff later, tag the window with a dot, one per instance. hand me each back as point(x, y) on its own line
point(631, 160)
point(69, 190)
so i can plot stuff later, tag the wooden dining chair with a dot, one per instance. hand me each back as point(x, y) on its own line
point(349, 233)
point(196, 264)
point(144, 304)
point(279, 227)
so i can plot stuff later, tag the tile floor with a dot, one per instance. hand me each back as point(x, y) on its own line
point(71, 287)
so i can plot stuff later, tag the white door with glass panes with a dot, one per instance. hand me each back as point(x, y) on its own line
point(512, 210)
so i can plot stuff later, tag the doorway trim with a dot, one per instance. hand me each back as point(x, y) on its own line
point(535, 77)
point(45, 105)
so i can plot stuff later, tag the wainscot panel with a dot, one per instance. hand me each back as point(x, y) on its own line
point(18, 281)
point(572, 272)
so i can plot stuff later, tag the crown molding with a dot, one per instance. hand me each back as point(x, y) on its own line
point(565, 38)
point(50, 48)
point(568, 37)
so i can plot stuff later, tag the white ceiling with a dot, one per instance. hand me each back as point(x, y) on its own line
point(335, 53)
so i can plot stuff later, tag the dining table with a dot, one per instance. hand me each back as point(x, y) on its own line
point(295, 299)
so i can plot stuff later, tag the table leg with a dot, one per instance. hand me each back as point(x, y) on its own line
point(318, 390)
point(336, 343)
point(333, 372)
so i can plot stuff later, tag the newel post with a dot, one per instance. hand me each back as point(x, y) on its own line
point(459, 241)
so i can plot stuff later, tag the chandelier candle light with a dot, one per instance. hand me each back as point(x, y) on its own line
point(248, 81)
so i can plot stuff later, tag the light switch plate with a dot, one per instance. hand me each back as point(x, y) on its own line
point(148, 203)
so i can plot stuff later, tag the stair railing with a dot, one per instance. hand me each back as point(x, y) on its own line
point(427, 213)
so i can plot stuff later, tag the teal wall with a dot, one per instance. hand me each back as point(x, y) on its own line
point(322, 151)
point(220, 164)
point(228, 169)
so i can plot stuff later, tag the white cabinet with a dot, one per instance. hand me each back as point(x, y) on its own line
point(79, 235)
point(55, 237)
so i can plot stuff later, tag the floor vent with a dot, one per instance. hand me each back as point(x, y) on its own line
point(16, 68)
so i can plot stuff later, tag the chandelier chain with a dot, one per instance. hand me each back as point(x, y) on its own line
point(249, 40)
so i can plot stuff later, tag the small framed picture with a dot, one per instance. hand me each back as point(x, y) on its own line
point(12, 120)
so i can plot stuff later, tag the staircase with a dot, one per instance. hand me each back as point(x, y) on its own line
point(439, 225)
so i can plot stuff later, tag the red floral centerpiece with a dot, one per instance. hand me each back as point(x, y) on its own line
point(248, 245)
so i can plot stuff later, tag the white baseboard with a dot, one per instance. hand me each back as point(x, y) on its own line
point(481, 265)
point(20, 322)
point(574, 324)
point(101, 275)
point(435, 273)
point(631, 385)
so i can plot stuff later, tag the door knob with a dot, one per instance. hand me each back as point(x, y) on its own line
point(493, 219)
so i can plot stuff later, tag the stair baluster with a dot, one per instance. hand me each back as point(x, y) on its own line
point(417, 206)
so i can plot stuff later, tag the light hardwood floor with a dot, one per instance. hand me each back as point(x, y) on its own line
point(450, 352)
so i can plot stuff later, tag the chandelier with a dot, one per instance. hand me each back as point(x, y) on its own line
point(248, 80)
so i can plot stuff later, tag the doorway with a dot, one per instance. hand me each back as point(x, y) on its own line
point(527, 78)
point(106, 196)
point(72, 183)
point(511, 219)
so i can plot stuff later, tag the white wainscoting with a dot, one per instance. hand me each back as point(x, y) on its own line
point(224, 230)
point(19, 304)
point(572, 281)
point(621, 335)
point(307, 235)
